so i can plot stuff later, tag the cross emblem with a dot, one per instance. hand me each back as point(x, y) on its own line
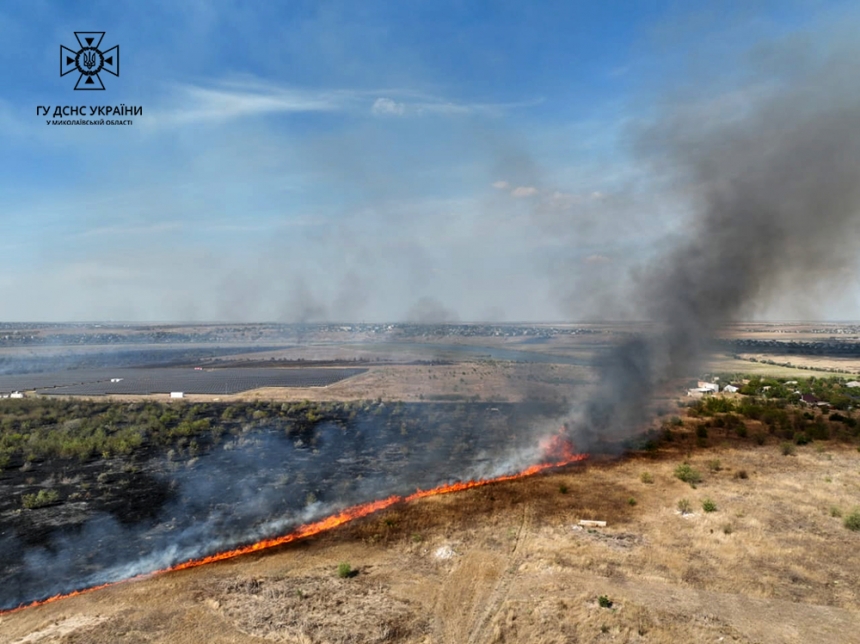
point(89, 60)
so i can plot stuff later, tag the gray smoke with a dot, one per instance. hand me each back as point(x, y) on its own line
point(773, 183)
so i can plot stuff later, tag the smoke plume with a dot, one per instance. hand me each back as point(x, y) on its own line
point(773, 183)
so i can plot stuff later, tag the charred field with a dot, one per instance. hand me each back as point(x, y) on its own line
point(508, 562)
point(169, 483)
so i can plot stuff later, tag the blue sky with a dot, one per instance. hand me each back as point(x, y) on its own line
point(359, 160)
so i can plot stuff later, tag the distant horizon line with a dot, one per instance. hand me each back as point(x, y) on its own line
point(395, 322)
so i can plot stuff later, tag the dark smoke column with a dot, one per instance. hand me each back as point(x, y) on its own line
point(775, 188)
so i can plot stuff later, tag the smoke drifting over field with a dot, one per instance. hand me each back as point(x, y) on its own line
point(774, 184)
point(265, 481)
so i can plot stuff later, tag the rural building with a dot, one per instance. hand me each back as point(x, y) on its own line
point(698, 392)
point(16, 394)
point(708, 386)
point(177, 394)
point(730, 389)
point(853, 383)
point(810, 399)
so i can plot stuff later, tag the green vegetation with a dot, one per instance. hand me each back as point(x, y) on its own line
point(631, 502)
point(852, 521)
point(40, 499)
point(344, 570)
point(37, 429)
point(646, 477)
point(604, 602)
point(709, 506)
point(563, 488)
point(688, 474)
point(684, 506)
point(787, 449)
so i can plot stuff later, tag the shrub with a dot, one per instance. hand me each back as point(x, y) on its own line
point(835, 512)
point(563, 488)
point(604, 601)
point(684, 506)
point(688, 474)
point(852, 521)
point(741, 474)
point(787, 449)
point(728, 529)
point(344, 570)
point(715, 465)
point(709, 506)
point(631, 501)
point(40, 500)
point(646, 477)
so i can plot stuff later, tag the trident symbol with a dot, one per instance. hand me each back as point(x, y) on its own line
point(89, 60)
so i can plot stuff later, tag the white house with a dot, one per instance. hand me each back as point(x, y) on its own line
point(16, 394)
point(730, 389)
point(177, 394)
point(853, 383)
point(708, 386)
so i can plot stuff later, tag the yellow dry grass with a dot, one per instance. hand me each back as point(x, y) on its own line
point(504, 563)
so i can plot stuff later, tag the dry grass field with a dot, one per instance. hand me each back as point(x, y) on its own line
point(507, 563)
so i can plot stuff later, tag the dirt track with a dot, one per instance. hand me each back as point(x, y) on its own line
point(505, 563)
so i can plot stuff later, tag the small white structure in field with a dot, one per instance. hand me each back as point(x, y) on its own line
point(730, 389)
point(588, 523)
point(709, 386)
point(177, 394)
point(116, 379)
point(16, 394)
point(853, 383)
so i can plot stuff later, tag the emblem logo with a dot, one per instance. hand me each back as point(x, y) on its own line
point(89, 61)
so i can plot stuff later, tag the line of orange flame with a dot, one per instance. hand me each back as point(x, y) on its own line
point(323, 525)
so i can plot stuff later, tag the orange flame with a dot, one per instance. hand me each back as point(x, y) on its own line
point(558, 448)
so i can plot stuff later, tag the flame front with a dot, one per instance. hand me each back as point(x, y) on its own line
point(558, 451)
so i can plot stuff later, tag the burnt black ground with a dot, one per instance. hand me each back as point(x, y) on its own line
point(164, 504)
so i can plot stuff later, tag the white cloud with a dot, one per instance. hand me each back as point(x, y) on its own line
point(524, 191)
point(501, 185)
point(386, 107)
point(226, 101)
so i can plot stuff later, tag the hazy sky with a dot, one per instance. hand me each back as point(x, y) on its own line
point(438, 160)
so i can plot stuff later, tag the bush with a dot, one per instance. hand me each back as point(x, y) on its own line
point(344, 570)
point(646, 477)
point(715, 465)
point(684, 506)
point(40, 500)
point(787, 449)
point(631, 501)
point(741, 474)
point(604, 601)
point(835, 512)
point(852, 521)
point(709, 506)
point(688, 474)
point(563, 488)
